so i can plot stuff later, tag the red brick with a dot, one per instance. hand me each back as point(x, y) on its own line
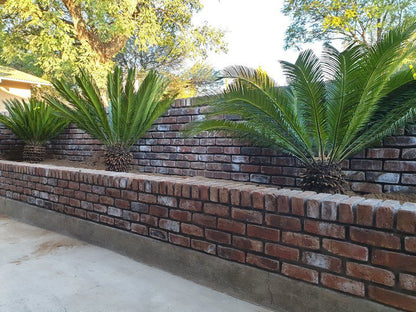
point(329, 207)
point(147, 198)
point(283, 222)
point(218, 236)
point(235, 197)
point(324, 229)
point(231, 254)
point(193, 230)
point(112, 192)
point(121, 203)
point(107, 220)
point(122, 224)
point(283, 201)
point(159, 211)
point(204, 220)
point(129, 195)
point(158, 234)
point(258, 200)
point(298, 202)
point(394, 260)
point(245, 198)
point(80, 213)
point(189, 204)
point(217, 209)
point(369, 273)
point(247, 215)
point(345, 249)
point(406, 218)
point(169, 225)
point(300, 240)
point(385, 214)
point(381, 153)
point(180, 215)
point(410, 244)
point(262, 262)
point(408, 282)
point(322, 261)
point(204, 246)
point(231, 226)
point(398, 300)
point(139, 228)
point(179, 240)
point(300, 273)
point(365, 211)
point(282, 252)
point(313, 205)
point(375, 238)
point(346, 209)
point(270, 202)
point(150, 220)
point(343, 284)
point(263, 232)
point(247, 244)
point(93, 216)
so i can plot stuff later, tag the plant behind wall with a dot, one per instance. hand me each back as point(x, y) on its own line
point(131, 110)
point(35, 123)
point(331, 109)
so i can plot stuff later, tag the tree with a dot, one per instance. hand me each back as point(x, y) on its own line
point(65, 35)
point(181, 60)
point(360, 21)
point(321, 122)
point(35, 123)
point(131, 110)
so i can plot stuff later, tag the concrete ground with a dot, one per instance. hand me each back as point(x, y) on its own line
point(42, 271)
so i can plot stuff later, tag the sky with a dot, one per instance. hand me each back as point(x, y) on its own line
point(254, 30)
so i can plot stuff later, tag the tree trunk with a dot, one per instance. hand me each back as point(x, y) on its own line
point(118, 159)
point(324, 178)
point(34, 152)
point(105, 50)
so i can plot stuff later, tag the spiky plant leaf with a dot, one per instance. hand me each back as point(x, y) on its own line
point(32, 121)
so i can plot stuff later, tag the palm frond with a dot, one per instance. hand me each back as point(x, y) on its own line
point(32, 121)
point(130, 113)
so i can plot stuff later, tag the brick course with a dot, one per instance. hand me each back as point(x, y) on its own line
point(389, 167)
point(339, 246)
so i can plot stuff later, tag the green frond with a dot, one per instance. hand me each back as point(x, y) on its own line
point(32, 121)
point(131, 110)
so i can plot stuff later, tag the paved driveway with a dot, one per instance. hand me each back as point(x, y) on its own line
point(42, 271)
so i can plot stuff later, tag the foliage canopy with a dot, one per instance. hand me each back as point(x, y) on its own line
point(360, 21)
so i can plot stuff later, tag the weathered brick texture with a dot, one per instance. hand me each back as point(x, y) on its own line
point(389, 167)
point(364, 248)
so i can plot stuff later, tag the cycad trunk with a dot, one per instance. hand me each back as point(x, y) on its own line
point(118, 159)
point(34, 152)
point(323, 177)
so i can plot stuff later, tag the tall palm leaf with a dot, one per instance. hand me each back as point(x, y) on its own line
point(34, 123)
point(131, 111)
point(331, 109)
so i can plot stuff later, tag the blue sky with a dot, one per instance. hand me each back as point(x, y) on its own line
point(254, 32)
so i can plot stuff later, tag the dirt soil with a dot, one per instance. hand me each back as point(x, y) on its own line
point(98, 163)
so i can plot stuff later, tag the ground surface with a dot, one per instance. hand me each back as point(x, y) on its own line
point(46, 272)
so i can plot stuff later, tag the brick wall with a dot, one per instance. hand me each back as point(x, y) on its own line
point(388, 168)
point(364, 248)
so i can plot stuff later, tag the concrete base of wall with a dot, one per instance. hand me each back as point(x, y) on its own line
point(235, 279)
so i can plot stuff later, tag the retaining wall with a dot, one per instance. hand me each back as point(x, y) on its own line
point(391, 167)
point(363, 248)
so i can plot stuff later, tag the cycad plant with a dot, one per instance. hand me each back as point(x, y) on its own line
point(35, 123)
point(331, 109)
point(119, 119)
